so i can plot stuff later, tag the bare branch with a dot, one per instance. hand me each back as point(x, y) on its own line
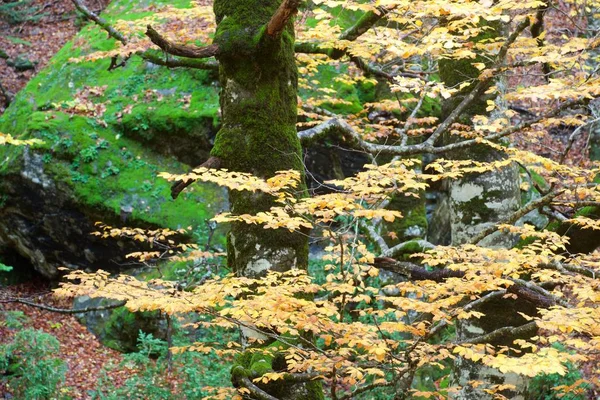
point(526, 290)
point(354, 140)
point(544, 298)
point(64, 310)
point(279, 20)
point(574, 136)
point(367, 388)
point(181, 50)
point(100, 21)
point(146, 55)
point(566, 268)
point(413, 271)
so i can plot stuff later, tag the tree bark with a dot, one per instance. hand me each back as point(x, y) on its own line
point(259, 108)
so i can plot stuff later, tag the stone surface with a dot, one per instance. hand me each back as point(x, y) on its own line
point(103, 165)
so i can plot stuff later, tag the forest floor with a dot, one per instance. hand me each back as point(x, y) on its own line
point(84, 354)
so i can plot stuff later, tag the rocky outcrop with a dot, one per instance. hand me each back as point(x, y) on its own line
point(106, 137)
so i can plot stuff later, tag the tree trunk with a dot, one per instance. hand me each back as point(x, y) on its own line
point(475, 202)
point(259, 107)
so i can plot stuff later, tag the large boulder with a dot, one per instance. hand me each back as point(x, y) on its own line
point(107, 134)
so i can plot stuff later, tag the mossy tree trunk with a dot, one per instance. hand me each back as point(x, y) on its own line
point(259, 107)
point(475, 202)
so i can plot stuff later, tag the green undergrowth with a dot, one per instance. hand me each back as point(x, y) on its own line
point(197, 375)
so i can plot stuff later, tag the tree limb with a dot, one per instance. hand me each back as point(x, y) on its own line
point(100, 21)
point(526, 290)
point(392, 251)
point(180, 62)
point(64, 310)
point(518, 214)
point(529, 328)
point(353, 139)
point(255, 391)
point(146, 55)
point(279, 20)
point(212, 162)
point(414, 272)
point(365, 22)
point(181, 50)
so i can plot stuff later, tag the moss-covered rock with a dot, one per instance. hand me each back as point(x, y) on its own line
point(119, 328)
point(103, 148)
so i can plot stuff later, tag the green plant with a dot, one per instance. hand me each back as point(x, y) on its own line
point(79, 177)
point(89, 154)
point(542, 387)
point(5, 268)
point(20, 11)
point(14, 319)
point(109, 171)
point(148, 382)
point(30, 367)
point(151, 379)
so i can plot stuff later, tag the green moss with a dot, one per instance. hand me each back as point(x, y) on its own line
point(413, 222)
point(109, 166)
point(353, 96)
point(476, 210)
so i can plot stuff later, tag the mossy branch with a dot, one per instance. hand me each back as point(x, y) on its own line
point(180, 62)
point(366, 22)
point(181, 50)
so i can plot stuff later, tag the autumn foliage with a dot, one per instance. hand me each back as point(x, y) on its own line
point(357, 329)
